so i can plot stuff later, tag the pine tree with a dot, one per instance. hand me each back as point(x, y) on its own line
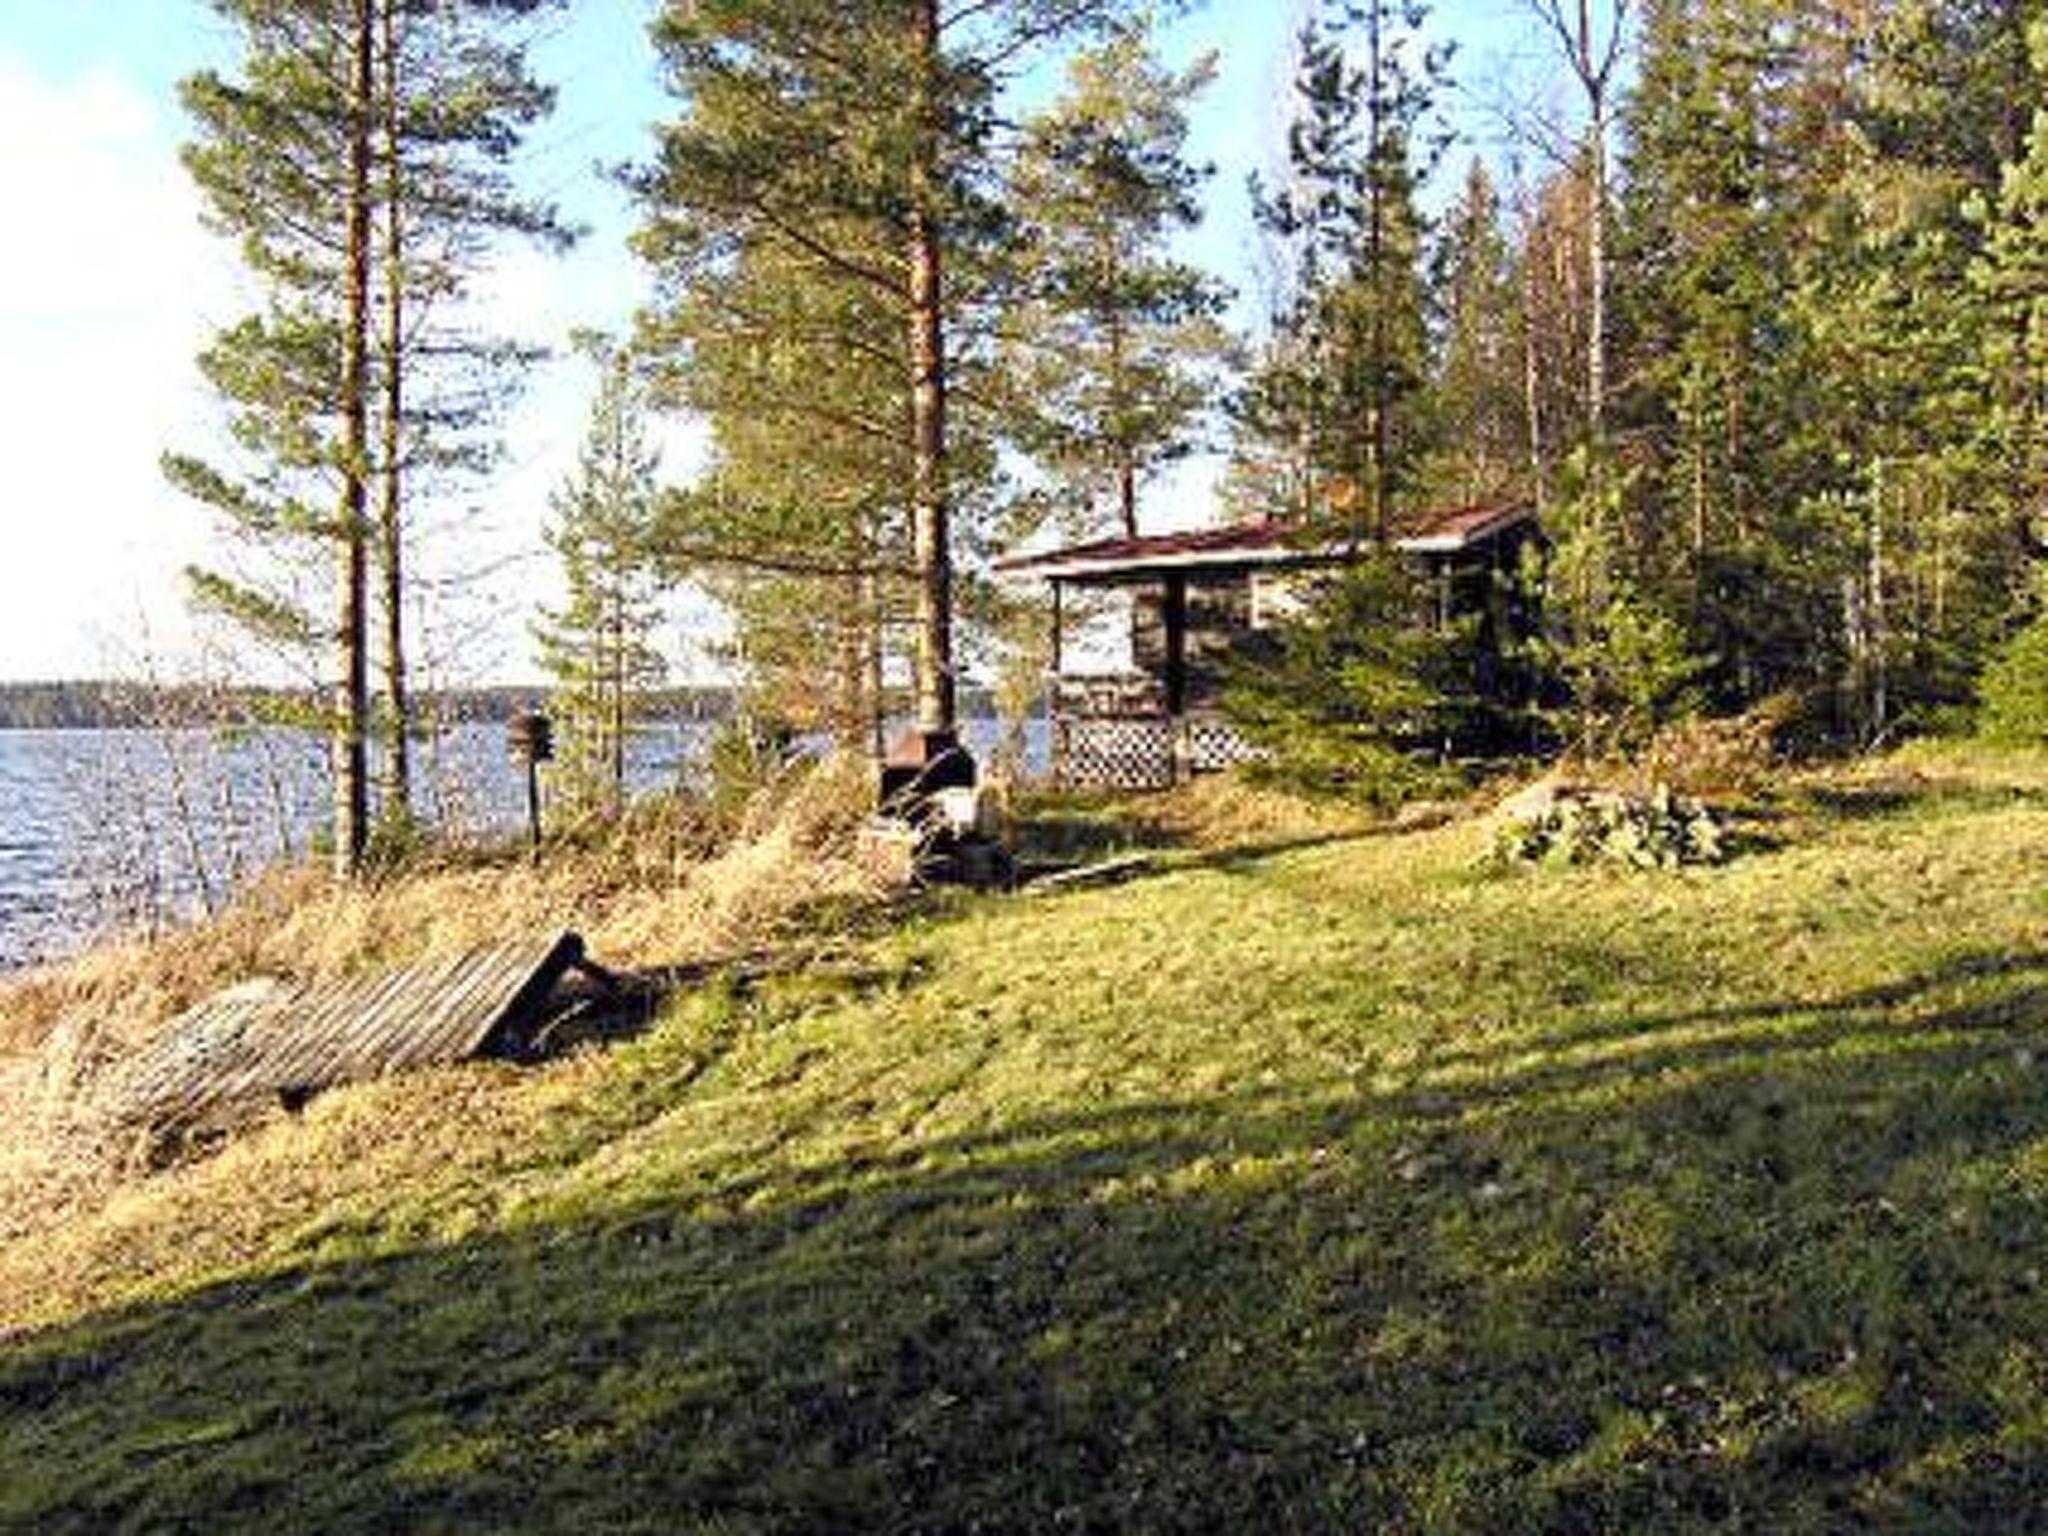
point(456, 99)
point(1341, 383)
point(799, 526)
point(285, 162)
point(357, 159)
point(599, 645)
point(820, 217)
point(1115, 344)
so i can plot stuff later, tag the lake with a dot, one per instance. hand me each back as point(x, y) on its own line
point(121, 829)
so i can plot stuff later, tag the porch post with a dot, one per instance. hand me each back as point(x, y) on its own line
point(1174, 613)
point(1054, 717)
point(1176, 617)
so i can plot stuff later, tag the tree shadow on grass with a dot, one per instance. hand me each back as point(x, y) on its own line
point(1905, 794)
point(1789, 1287)
point(1992, 990)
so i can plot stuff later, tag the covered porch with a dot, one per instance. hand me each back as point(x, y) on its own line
point(1149, 715)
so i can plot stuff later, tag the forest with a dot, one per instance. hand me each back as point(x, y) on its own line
point(1750, 308)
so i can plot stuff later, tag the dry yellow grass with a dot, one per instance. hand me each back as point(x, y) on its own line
point(646, 897)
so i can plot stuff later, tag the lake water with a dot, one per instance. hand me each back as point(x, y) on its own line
point(103, 830)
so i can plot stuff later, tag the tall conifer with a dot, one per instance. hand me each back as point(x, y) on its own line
point(827, 191)
point(357, 159)
point(1116, 343)
point(1341, 384)
point(599, 645)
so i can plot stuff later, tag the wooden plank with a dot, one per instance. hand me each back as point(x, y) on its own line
point(413, 1028)
point(248, 1045)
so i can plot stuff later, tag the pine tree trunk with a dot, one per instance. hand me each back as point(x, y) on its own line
point(1379, 438)
point(930, 496)
point(397, 707)
point(1126, 455)
point(351, 787)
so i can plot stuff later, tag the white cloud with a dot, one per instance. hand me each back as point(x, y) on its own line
point(105, 279)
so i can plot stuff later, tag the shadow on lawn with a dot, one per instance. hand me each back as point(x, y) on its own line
point(1787, 1287)
point(1906, 794)
point(1997, 991)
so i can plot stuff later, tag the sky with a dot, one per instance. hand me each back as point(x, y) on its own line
point(110, 286)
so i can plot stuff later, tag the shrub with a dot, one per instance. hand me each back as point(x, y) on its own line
point(1360, 694)
point(1733, 754)
point(2012, 695)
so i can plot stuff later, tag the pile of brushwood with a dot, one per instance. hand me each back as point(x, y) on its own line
point(1559, 824)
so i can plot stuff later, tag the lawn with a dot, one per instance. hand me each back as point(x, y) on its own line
point(1325, 1183)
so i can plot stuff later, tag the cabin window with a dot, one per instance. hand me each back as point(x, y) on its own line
point(1278, 596)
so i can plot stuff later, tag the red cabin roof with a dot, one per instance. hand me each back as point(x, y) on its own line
point(1263, 543)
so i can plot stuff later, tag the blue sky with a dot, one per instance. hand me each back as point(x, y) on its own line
point(109, 287)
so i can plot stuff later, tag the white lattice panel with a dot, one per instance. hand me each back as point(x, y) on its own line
point(1128, 753)
point(1213, 745)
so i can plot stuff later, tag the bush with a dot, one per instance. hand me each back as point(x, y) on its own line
point(1359, 695)
point(1733, 754)
point(1556, 826)
point(746, 758)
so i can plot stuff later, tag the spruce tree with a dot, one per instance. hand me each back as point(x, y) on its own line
point(1708, 242)
point(1364, 692)
point(1477, 396)
point(1806, 398)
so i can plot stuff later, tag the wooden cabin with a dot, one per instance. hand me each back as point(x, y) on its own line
point(1154, 718)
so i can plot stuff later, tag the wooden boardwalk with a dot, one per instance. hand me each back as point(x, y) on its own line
point(267, 1043)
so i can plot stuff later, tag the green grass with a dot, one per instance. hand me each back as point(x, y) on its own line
point(1326, 1187)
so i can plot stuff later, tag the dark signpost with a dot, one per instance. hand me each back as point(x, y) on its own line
point(532, 738)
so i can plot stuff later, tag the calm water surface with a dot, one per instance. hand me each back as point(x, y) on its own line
point(106, 830)
point(103, 830)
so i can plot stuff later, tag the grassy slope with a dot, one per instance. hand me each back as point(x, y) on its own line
point(1332, 1187)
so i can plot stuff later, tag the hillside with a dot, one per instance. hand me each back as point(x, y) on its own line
point(1319, 1183)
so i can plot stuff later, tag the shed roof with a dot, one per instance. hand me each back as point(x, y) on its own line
point(259, 1043)
point(1263, 543)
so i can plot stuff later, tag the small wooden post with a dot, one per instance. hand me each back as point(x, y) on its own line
point(532, 738)
point(1174, 614)
point(1058, 625)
